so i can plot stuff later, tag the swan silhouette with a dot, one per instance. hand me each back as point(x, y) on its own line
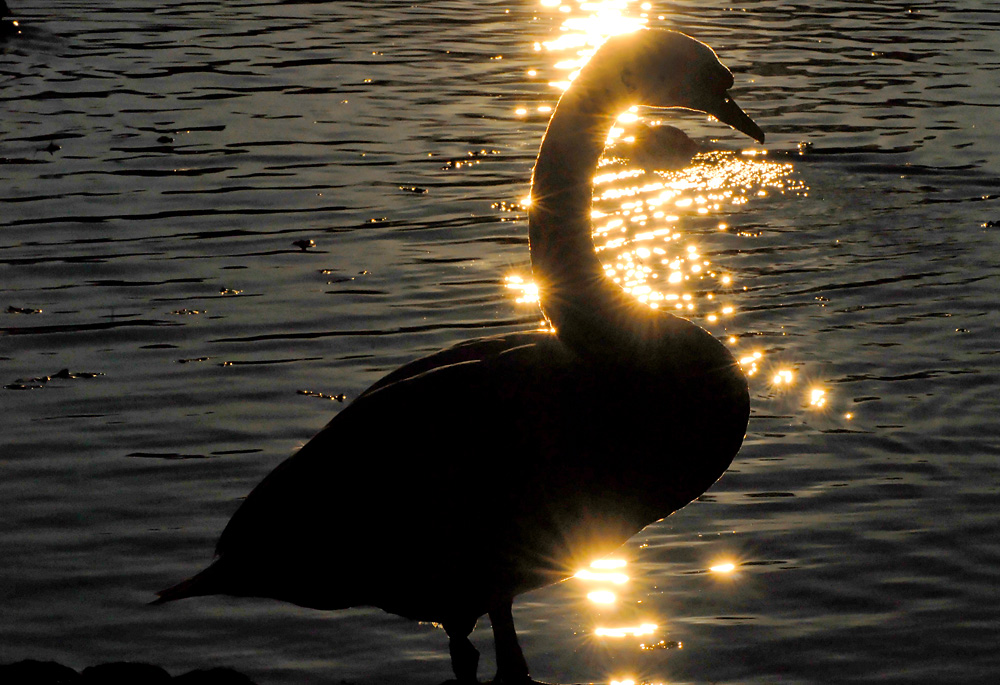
point(502, 464)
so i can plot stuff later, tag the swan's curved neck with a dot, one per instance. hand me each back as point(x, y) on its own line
point(590, 313)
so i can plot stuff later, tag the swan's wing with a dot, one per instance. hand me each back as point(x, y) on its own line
point(439, 484)
point(432, 434)
point(477, 350)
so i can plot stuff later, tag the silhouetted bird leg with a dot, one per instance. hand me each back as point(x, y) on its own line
point(464, 657)
point(511, 666)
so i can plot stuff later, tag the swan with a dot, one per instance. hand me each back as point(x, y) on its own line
point(502, 464)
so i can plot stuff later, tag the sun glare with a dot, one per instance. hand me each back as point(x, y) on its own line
point(527, 291)
point(625, 631)
point(602, 597)
point(616, 578)
point(723, 568)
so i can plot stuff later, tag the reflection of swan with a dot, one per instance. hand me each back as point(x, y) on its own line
point(659, 147)
point(501, 464)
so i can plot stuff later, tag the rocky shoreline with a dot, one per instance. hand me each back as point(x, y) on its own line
point(31, 672)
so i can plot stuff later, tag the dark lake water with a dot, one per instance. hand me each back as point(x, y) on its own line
point(160, 161)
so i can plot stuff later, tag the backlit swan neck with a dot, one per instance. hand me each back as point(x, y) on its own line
point(590, 313)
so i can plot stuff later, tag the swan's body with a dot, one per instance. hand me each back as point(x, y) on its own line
point(501, 464)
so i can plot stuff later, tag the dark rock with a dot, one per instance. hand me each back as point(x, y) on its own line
point(124, 673)
point(213, 676)
point(31, 672)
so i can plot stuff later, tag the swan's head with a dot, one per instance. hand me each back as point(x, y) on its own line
point(669, 69)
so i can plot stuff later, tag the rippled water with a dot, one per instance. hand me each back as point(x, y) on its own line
point(160, 161)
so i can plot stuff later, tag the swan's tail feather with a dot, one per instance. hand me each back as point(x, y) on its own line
point(203, 583)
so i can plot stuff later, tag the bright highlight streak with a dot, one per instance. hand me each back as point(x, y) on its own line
point(616, 578)
point(784, 377)
point(608, 563)
point(723, 568)
point(817, 398)
point(602, 597)
point(528, 289)
point(644, 629)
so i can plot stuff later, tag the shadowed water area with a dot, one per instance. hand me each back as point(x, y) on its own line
point(220, 223)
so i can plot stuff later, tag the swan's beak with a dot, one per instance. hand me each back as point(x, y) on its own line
point(728, 112)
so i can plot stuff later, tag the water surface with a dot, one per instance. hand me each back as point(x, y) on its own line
point(162, 164)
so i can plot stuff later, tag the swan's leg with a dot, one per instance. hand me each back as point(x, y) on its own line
point(511, 666)
point(464, 657)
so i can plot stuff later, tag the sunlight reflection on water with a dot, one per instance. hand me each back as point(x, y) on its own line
point(655, 196)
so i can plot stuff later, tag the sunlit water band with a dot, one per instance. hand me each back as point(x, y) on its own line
point(662, 228)
point(655, 206)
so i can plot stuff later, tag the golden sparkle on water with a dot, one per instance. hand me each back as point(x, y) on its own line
point(602, 597)
point(749, 363)
point(625, 631)
point(783, 377)
point(527, 290)
point(817, 398)
point(587, 574)
point(609, 571)
point(640, 219)
point(723, 568)
point(586, 26)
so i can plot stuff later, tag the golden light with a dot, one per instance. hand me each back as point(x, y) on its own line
point(528, 289)
point(602, 597)
point(630, 200)
point(723, 568)
point(817, 398)
point(749, 363)
point(625, 631)
point(783, 377)
point(586, 26)
point(627, 681)
point(608, 563)
point(616, 578)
